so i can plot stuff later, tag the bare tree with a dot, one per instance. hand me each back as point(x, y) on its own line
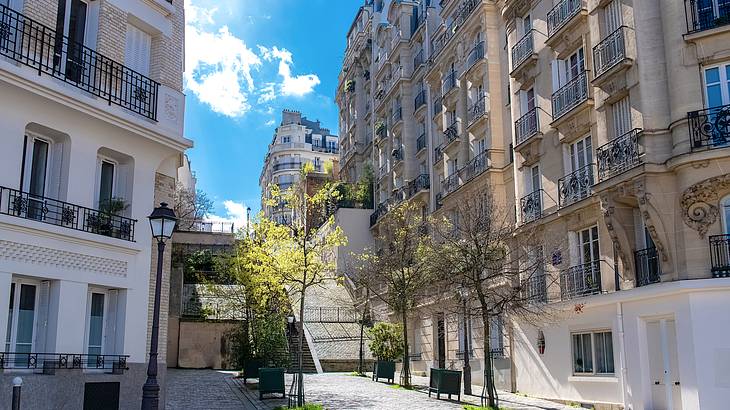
point(190, 206)
point(400, 271)
point(497, 270)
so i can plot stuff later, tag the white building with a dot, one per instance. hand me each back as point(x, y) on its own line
point(92, 138)
point(296, 141)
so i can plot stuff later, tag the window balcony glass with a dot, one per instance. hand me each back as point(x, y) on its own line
point(421, 142)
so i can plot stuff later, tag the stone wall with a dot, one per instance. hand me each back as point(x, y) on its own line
point(206, 343)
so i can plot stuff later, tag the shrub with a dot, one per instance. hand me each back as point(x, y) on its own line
point(386, 341)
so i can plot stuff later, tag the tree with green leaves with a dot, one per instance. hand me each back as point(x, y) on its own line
point(190, 206)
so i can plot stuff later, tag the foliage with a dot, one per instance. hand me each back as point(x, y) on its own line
point(379, 127)
point(350, 85)
point(363, 192)
point(113, 206)
point(271, 343)
point(190, 206)
point(386, 341)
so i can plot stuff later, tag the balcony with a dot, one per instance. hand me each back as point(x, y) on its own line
point(418, 60)
point(531, 207)
point(709, 128)
point(703, 15)
point(327, 149)
point(438, 154)
point(450, 184)
point(380, 211)
point(522, 51)
point(35, 45)
point(217, 227)
point(610, 52)
point(475, 167)
point(438, 105)
point(534, 289)
point(449, 83)
point(570, 96)
point(475, 55)
point(527, 126)
point(619, 155)
point(576, 186)
point(648, 270)
point(48, 363)
point(581, 280)
point(421, 183)
point(720, 255)
point(397, 115)
point(383, 170)
point(53, 212)
point(420, 100)
point(477, 110)
point(288, 166)
point(560, 15)
point(421, 142)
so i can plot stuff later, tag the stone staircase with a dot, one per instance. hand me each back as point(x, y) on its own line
point(308, 364)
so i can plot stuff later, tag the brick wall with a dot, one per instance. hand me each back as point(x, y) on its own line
point(111, 36)
point(43, 11)
point(166, 65)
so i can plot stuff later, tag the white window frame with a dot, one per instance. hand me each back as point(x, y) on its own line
point(594, 371)
point(32, 137)
point(621, 117)
point(612, 17)
point(574, 157)
point(105, 318)
point(725, 210)
point(592, 239)
point(16, 310)
point(532, 173)
point(101, 159)
point(724, 81)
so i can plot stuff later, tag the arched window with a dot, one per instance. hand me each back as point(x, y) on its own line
point(725, 210)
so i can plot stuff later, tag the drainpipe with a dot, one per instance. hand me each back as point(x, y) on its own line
point(622, 352)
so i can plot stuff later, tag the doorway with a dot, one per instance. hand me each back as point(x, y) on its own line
point(441, 340)
point(666, 392)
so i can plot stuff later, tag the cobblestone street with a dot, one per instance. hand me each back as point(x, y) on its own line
point(210, 389)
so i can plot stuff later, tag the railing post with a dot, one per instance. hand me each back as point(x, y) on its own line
point(17, 384)
point(40, 61)
point(109, 82)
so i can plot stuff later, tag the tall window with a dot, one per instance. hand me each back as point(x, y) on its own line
point(566, 70)
point(726, 214)
point(21, 318)
point(581, 153)
point(527, 101)
point(106, 183)
point(534, 179)
point(37, 164)
point(612, 16)
point(96, 324)
point(717, 86)
point(71, 22)
point(137, 50)
point(621, 112)
point(589, 247)
point(593, 353)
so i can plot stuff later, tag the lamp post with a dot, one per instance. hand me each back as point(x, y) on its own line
point(464, 293)
point(162, 222)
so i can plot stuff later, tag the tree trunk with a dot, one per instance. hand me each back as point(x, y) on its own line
point(361, 364)
point(405, 376)
point(488, 370)
point(300, 352)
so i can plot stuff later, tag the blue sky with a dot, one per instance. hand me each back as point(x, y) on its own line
point(246, 60)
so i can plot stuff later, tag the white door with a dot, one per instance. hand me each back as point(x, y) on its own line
point(661, 338)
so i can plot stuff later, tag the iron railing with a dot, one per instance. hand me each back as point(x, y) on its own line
point(619, 155)
point(214, 227)
point(709, 128)
point(331, 314)
point(527, 126)
point(531, 206)
point(720, 255)
point(438, 154)
point(451, 133)
point(418, 60)
point(326, 149)
point(449, 83)
point(421, 183)
point(478, 109)
point(571, 95)
point(561, 14)
point(576, 186)
point(281, 166)
point(475, 167)
point(450, 184)
point(50, 362)
point(476, 54)
point(421, 142)
point(460, 353)
point(420, 100)
point(54, 212)
point(534, 289)
point(437, 105)
point(610, 51)
point(706, 14)
point(580, 280)
point(40, 47)
point(648, 270)
point(397, 115)
point(522, 51)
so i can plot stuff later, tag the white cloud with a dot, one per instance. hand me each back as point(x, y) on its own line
point(268, 93)
point(235, 213)
point(270, 123)
point(298, 85)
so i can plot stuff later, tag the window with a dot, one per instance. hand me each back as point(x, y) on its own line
point(726, 214)
point(589, 247)
point(526, 25)
point(533, 182)
point(71, 21)
point(710, 10)
point(285, 139)
point(621, 112)
point(496, 331)
point(39, 153)
point(481, 145)
point(612, 17)
point(592, 353)
point(717, 86)
point(137, 50)
point(21, 319)
point(453, 166)
point(581, 153)
point(566, 70)
point(96, 324)
point(527, 101)
point(106, 183)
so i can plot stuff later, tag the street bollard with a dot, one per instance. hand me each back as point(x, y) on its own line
point(17, 383)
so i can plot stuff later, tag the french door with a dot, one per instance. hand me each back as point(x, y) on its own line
point(21, 321)
point(717, 94)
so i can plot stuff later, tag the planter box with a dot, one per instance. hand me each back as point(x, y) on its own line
point(384, 369)
point(444, 381)
point(271, 380)
point(251, 369)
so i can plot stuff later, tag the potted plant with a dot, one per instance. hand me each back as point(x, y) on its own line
point(379, 128)
point(102, 222)
point(386, 344)
point(350, 86)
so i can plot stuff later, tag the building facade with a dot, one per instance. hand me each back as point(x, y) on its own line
point(297, 141)
point(604, 123)
point(92, 125)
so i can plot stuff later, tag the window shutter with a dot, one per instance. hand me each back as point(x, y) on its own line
point(44, 294)
point(110, 327)
point(621, 117)
point(137, 50)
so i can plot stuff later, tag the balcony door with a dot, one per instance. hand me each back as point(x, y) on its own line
point(71, 35)
point(21, 321)
point(589, 250)
point(710, 10)
point(581, 154)
point(612, 17)
point(565, 71)
point(717, 94)
point(36, 180)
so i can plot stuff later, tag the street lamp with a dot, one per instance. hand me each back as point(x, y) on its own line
point(464, 293)
point(162, 223)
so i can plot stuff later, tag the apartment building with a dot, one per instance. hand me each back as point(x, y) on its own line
point(297, 141)
point(92, 120)
point(605, 124)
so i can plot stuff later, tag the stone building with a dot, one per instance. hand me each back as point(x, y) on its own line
point(605, 124)
point(92, 124)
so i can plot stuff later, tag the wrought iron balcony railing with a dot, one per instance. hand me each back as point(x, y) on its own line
point(421, 142)
point(418, 60)
point(619, 155)
point(534, 289)
point(438, 154)
point(380, 211)
point(478, 109)
point(420, 100)
point(476, 54)
point(522, 50)
point(287, 166)
point(50, 362)
point(451, 133)
point(571, 95)
point(460, 353)
point(610, 51)
point(397, 115)
point(648, 270)
point(561, 14)
point(706, 14)
point(576, 186)
point(421, 183)
point(437, 105)
point(449, 83)
point(450, 184)
point(326, 149)
point(331, 314)
point(581, 280)
point(53, 212)
point(531, 206)
point(527, 126)
point(720, 255)
point(475, 167)
point(709, 128)
point(40, 47)
point(215, 227)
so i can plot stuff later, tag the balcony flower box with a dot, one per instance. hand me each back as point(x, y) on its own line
point(444, 381)
point(271, 380)
point(384, 369)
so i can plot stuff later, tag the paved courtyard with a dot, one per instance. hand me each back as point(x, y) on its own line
point(209, 389)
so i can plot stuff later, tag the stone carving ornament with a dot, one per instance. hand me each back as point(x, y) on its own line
point(698, 203)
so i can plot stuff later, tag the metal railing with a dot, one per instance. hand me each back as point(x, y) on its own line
point(576, 186)
point(720, 255)
point(476, 54)
point(281, 166)
point(449, 83)
point(437, 105)
point(610, 51)
point(702, 15)
point(451, 133)
point(475, 167)
point(420, 100)
point(478, 109)
point(561, 14)
point(438, 154)
point(214, 227)
point(40, 47)
point(333, 314)
point(531, 206)
point(397, 115)
point(534, 289)
point(522, 51)
point(619, 155)
point(421, 183)
point(648, 270)
point(326, 149)
point(421, 142)
point(460, 353)
point(709, 128)
point(580, 280)
point(418, 60)
point(50, 362)
point(570, 95)
point(527, 126)
point(450, 184)
point(53, 212)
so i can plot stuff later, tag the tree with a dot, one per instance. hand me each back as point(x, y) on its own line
point(496, 275)
point(401, 270)
point(190, 206)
